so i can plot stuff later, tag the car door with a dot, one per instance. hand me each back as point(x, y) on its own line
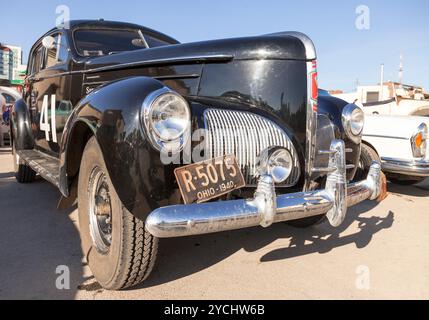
point(49, 96)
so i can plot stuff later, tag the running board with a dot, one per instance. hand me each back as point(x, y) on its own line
point(46, 166)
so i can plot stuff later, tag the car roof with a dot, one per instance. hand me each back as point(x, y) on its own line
point(76, 24)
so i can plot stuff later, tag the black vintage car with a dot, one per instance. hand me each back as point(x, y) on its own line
point(110, 114)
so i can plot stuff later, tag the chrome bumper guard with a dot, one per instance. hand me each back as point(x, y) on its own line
point(267, 208)
point(416, 168)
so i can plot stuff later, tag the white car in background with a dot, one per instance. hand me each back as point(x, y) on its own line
point(400, 143)
point(8, 96)
point(390, 99)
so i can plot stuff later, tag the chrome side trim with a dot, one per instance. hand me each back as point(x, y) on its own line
point(417, 168)
point(186, 59)
point(267, 208)
point(194, 59)
point(57, 75)
point(381, 136)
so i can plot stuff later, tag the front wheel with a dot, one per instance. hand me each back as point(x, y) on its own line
point(119, 250)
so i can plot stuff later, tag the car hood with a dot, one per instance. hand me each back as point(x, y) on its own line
point(276, 46)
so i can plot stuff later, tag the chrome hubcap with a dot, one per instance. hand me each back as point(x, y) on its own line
point(100, 211)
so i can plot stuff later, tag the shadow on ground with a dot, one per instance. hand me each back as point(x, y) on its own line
point(7, 175)
point(418, 190)
point(35, 238)
point(182, 257)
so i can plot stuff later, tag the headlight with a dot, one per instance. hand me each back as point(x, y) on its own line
point(353, 122)
point(166, 117)
point(419, 141)
point(278, 163)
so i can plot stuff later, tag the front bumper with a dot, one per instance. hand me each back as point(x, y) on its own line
point(267, 208)
point(415, 168)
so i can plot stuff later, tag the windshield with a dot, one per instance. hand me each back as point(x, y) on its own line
point(100, 42)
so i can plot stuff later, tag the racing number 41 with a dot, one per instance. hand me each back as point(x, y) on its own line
point(44, 118)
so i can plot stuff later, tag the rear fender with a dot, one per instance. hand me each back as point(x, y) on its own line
point(21, 132)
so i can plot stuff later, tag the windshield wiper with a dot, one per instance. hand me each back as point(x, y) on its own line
point(143, 39)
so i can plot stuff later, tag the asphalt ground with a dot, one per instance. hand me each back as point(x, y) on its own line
point(380, 252)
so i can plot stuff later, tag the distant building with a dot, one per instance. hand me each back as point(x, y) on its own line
point(11, 66)
point(332, 92)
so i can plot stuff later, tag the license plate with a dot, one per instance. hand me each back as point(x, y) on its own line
point(207, 180)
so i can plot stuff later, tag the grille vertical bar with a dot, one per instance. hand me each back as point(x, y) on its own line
point(246, 135)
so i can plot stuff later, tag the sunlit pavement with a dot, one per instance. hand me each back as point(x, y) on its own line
point(381, 251)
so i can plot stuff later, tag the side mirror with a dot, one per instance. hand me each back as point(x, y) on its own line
point(49, 42)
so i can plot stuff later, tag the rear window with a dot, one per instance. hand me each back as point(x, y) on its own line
point(100, 42)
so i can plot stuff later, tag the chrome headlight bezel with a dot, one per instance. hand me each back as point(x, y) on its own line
point(270, 164)
point(420, 151)
point(353, 119)
point(158, 141)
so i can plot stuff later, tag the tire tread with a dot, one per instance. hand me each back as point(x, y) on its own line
point(141, 248)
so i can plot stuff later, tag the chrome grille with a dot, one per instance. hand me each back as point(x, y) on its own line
point(246, 135)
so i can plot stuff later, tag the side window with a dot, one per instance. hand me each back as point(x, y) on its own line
point(36, 64)
point(59, 54)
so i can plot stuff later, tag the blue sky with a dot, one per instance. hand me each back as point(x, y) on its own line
point(345, 53)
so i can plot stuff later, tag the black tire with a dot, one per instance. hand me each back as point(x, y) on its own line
point(367, 156)
point(307, 222)
point(405, 181)
point(132, 252)
point(23, 172)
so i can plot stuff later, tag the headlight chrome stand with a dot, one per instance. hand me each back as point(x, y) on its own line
point(336, 189)
point(267, 208)
point(266, 200)
point(336, 183)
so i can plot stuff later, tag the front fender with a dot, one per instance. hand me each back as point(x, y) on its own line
point(21, 132)
point(333, 108)
point(112, 114)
